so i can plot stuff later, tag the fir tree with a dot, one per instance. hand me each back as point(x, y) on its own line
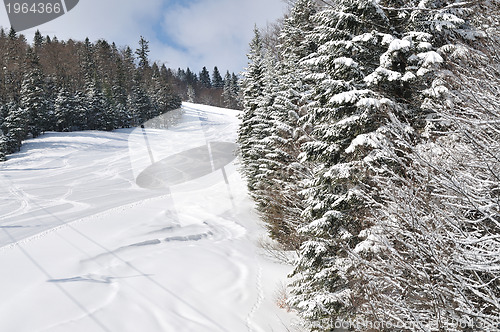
point(253, 92)
point(205, 78)
point(37, 40)
point(227, 93)
point(3, 139)
point(16, 125)
point(142, 54)
point(140, 104)
point(354, 102)
point(3, 147)
point(64, 111)
point(98, 108)
point(33, 98)
point(282, 173)
point(217, 81)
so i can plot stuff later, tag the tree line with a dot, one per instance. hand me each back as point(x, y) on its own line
point(208, 89)
point(52, 85)
point(370, 142)
point(71, 85)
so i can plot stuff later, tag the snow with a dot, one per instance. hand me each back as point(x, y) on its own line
point(430, 58)
point(85, 246)
point(344, 62)
point(399, 45)
point(380, 74)
point(369, 139)
point(348, 96)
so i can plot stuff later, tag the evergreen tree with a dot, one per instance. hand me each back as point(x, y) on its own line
point(142, 54)
point(253, 92)
point(355, 101)
point(16, 125)
point(98, 108)
point(190, 76)
point(3, 147)
point(140, 104)
point(235, 90)
point(227, 93)
point(3, 139)
point(80, 114)
point(33, 98)
point(88, 63)
point(205, 78)
point(64, 111)
point(37, 40)
point(282, 173)
point(217, 81)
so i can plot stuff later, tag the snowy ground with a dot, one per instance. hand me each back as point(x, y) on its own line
point(134, 230)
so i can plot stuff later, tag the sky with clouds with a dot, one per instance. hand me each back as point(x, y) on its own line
point(182, 33)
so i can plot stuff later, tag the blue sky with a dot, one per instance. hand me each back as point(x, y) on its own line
point(192, 33)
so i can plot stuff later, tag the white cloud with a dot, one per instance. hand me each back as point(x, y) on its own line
point(217, 32)
point(199, 33)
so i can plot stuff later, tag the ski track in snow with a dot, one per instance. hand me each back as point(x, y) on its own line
point(87, 249)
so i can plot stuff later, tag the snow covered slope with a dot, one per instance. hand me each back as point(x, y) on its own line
point(118, 231)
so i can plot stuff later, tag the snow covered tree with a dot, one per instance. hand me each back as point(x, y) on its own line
point(226, 93)
point(33, 98)
point(4, 150)
point(140, 104)
point(3, 147)
point(80, 114)
point(64, 111)
point(253, 92)
point(369, 71)
point(230, 93)
point(235, 90)
point(16, 124)
point(191, 94)
point(434, 245)
point(99, 115)
point(282, 173)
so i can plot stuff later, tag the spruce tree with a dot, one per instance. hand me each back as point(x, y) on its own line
point(16, 125)
point(235, 91)
point(366, 72)
point(3, 139)
point(37, 40)
point(140, 104)
point(217, 81)
point(282, 173)
point(3, 147)
point(33, 98)
point(64, 111)
point(98, 108)
point(142, 54)
point(205, 78)
point(253, 92)
point(227, 93)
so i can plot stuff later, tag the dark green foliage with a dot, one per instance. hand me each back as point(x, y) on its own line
point(205, 78)
point(217, 81)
